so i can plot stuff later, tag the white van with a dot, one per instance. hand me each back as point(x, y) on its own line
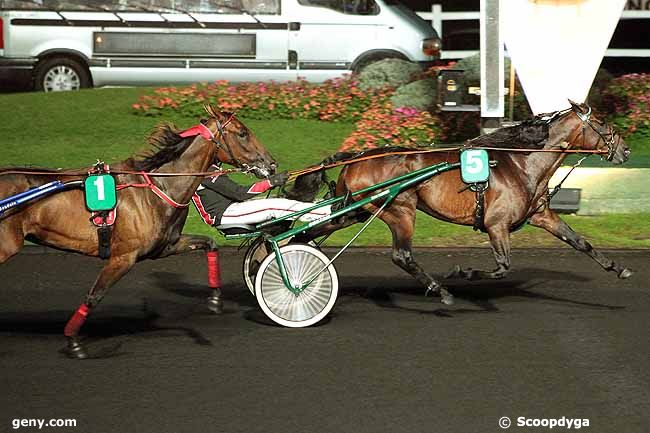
point(67, 45)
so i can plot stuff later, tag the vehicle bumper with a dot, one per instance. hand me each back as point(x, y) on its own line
point(16, 72)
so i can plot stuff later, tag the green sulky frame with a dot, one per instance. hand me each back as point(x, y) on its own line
point(390, 189)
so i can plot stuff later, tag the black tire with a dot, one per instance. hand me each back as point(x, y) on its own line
point(57, 74)
point(375, 57)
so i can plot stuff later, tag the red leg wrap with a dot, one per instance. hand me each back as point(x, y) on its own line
point(214, 272)
point(76, 321)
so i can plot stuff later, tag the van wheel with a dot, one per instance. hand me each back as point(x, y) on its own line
point(375, 57)
point(60, 74)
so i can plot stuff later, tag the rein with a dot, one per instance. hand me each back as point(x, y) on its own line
point(294, 174)
point(82, 172)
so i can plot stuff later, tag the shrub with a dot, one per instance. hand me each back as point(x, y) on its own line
point(421, 94)
point(601, 82)
point(628, 99)
point(388, 73)
point(472, 67)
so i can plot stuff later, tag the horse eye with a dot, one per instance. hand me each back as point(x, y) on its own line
point(243, 133)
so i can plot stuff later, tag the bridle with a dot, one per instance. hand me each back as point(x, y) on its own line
point(609, 138)
point(220, 141)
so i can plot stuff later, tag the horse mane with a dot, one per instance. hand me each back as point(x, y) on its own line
point(529, 134)
point(165, 146)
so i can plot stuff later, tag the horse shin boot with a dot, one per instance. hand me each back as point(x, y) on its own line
point(215, 304)
point(74, 348)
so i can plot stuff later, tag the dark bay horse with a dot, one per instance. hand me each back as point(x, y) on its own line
point(147, 227)
point(517, 193)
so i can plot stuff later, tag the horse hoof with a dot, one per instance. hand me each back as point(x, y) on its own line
point(456, 272)
point(75, 350)
point(625, 273)
point(447, 299)
point(215, 305)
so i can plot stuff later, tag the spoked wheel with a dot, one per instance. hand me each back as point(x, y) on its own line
point(255, 255)
point(313, 303)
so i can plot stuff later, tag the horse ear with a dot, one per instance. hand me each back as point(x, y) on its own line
point(579, 108)
point(210, 110)
point(575, 106)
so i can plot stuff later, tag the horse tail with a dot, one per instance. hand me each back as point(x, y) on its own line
point(307, 186)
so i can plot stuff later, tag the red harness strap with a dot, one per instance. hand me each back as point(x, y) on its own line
point(159, 192)
point(199, 129)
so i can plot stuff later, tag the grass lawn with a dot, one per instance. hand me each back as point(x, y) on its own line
point(75, 129)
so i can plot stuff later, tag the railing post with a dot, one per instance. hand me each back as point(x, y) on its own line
point(436, 21)
point(492, 74)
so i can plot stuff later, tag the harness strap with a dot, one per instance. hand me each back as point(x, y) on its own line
point(150, 185)
point(479, 212)
point(199, 129)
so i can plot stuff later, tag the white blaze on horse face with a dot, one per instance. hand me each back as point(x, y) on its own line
point(556, 46)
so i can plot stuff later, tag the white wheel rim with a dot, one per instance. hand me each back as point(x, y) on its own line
point(255, 255)
point(313, 303)
point(60, 79)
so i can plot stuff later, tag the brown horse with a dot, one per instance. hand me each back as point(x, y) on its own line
point(147, 227)
point(518, 189)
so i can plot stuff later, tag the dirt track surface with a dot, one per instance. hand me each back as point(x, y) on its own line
point(558, 337)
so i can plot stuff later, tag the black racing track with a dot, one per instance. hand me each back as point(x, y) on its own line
point(558, 338)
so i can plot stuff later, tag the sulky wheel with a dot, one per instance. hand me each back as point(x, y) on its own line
point(309, 306)
point(255, 254)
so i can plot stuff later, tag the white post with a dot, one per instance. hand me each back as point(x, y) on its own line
point(436, 21)
point(492, 75)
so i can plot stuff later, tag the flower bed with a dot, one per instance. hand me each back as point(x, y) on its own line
point(385, 126)
point(378, 123)
point(338, 100)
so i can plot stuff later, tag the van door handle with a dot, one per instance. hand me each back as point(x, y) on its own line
point(294, 26)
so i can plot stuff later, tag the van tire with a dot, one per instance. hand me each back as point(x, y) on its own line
point(373, 57)
point(56, 74)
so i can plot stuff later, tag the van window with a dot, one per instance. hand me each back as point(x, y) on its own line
point(212, 6)
point(350, 7)
point(266, 7)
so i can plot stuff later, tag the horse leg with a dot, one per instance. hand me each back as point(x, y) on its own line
point(115, 268)
point(186, 243)
point(401, 224)
point(552, 223)
point(500, 241)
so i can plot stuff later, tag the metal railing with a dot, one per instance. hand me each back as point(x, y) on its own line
point(437, 16)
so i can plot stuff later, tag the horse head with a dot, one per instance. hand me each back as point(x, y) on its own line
point(237, 145)
point(593, 134)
